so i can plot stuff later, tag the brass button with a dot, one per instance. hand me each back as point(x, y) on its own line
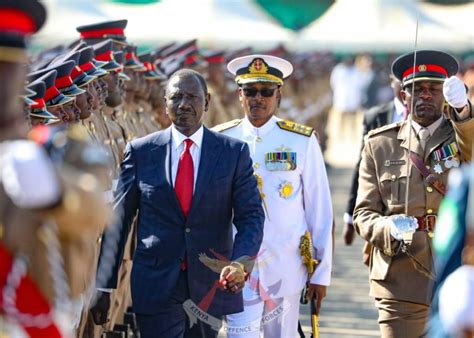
point(256, 165)
point(429, 189)
point(188, 230)
point(429, 211)
point(394, 177)
point(258, 139)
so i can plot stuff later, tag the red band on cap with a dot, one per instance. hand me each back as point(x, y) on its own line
point(107, 56)
point(215, 59)
point(190, 59)
point(76, 71)
point(86, 66)
point(39, 103)
point(13, 20)
point(63, 82)
point(148, 65)
point(425, 68)
point(129, 56)
point(51, 93)
point(100, 33)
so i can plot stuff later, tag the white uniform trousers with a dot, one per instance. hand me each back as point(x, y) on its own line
point(274, 318)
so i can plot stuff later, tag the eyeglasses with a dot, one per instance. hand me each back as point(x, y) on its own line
point(265, 92)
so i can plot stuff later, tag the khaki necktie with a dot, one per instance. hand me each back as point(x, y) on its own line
point(423, 135)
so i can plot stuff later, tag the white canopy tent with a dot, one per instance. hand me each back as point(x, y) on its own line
point(380, 26)
point(218, 23)
point(458, 19)
point(63, 16)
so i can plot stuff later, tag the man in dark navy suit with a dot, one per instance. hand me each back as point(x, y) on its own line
point(188, 185)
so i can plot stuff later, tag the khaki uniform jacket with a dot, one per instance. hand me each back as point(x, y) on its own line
point(382, 186)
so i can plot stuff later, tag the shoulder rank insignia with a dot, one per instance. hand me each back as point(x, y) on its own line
point(226, 125)
point(384, 128)
point(295, 127)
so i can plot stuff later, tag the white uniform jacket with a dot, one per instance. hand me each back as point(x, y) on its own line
point(296, 198)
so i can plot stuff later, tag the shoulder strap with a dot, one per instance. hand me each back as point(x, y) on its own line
point(429, 177)
point(295, 127)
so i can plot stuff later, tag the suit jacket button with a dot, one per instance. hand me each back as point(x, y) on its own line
point(187, 230)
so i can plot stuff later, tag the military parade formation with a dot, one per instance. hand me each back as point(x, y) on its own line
point(156, 194)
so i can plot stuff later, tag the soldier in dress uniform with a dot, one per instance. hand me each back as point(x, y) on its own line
point(40, 203)
point(290, 170)
point(417, 153)
point(216, 84)
point(153, 79)
point(58, 104)
point(37, 112)
point(80, 81)
point(107, 30)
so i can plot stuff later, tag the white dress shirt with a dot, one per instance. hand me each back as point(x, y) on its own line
point(431, 128)
point(177, 148)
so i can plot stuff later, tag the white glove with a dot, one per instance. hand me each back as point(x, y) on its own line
point(455, 92)
point(28, 175)
point(401, 224)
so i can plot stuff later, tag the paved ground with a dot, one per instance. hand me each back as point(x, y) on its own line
point(348, 311)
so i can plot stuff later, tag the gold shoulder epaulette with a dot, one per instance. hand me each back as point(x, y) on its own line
point(226, 125)
point(295, 127)
point(382, 129)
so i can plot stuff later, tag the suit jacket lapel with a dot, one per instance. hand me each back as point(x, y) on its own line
point(165, 145)
point(210, 153)
point(415, 145)
point(443, 133)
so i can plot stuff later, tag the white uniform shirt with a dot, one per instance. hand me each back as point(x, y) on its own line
point(308, 207)
point(177, 147)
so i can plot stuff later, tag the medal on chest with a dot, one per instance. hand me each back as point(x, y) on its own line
point(283, 159)
point(446, 157)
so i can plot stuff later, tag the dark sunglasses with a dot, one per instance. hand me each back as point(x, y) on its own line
point(265, 92)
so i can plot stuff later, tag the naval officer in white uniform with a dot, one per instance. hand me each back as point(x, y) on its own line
point(294, 187)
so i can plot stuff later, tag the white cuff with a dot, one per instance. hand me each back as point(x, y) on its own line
point(347, 218)
point(105, 290)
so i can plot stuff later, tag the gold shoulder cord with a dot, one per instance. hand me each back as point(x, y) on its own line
point(262, 195)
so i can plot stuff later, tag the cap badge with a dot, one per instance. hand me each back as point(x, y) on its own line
point(258, 66)
point(422, 68)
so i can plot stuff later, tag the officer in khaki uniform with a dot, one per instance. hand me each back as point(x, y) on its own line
point(401, 269)
point(291, 175)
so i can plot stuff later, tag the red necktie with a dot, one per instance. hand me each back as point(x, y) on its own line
point(184, 183)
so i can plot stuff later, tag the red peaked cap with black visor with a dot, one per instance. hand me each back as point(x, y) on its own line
point(18, 20)
point(114, 30)
point(431, 65)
